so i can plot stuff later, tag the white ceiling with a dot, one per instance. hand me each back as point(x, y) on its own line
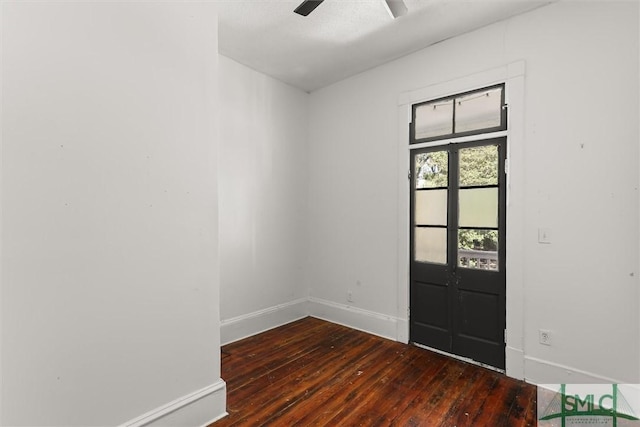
point(344, 37)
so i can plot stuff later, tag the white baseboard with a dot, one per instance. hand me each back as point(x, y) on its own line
point(197, 409)
point(514, 366)
point(538, 371)
point(244, 326)
point(363, 320)
point(402, 330)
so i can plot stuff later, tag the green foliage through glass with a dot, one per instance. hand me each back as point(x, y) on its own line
point(479, 166)
point(480, 240)
point(478, 249)
point(432, 169)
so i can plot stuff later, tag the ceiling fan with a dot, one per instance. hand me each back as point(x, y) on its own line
point(394, 7)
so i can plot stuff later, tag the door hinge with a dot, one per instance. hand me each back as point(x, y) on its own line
point(506, 166)
point(409, 175)
point(505, 335)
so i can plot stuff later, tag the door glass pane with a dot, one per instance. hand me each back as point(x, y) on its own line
point(431, 245)
point(479, 110)
point(431, 207)
point(478, 207)
point(478, 249)
point(432, 169)
point(479, 166)
point(434, 119)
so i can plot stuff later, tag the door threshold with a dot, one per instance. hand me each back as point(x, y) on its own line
point(461, 358)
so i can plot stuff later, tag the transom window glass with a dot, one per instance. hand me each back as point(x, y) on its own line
point(468, 113)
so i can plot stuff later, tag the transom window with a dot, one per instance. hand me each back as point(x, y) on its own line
point(469, 113)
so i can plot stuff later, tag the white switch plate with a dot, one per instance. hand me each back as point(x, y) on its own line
point(544, 235)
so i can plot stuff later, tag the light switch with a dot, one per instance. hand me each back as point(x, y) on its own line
point(544, 235)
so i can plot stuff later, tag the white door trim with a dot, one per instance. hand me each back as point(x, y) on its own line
point(513, 75)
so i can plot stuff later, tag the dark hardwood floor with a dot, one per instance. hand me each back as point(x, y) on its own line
point(315, 373)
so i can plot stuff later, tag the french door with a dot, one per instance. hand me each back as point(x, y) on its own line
point(457, 293)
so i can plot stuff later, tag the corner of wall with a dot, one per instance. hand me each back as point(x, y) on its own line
point(1, 210)
point(363, 320)
point(382, 325)
point(259, 321)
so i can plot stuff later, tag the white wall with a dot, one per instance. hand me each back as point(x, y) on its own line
point(109, 213)
point(579, 177)
point(262, 184)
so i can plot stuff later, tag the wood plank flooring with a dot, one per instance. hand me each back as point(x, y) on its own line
point(315, 373)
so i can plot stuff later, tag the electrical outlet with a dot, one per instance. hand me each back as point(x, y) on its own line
point(544, 336)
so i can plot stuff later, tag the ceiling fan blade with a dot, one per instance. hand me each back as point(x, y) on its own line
point(307, 6)
point(396, 8)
